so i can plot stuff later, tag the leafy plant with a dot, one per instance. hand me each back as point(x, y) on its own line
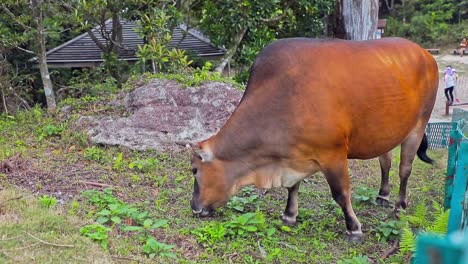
point(145, 165)
point(97, 232)
point(47, 201)
point(96, 154)
point(247, 223)
point(154, 248)
point(101, 199)
point(211, 233)
point(355, 260)
point(239, 226)
point(365, 195)
point(389, 230)
point(243, 199)
point(50, 130)
point(118, 162)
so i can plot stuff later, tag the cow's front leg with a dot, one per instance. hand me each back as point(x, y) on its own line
point(337, 177)
point(291, 211)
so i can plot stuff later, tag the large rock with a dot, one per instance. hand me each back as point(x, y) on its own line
point(164, 111)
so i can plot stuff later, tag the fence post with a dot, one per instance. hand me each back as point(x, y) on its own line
point(459, 190)
point(454, 142)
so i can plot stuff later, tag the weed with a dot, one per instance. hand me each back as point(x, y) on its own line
point(115, 213)
point(246, 223)
point(97, 232)
point(243, 199)
point(145, 165)
point(365, 195)
point(96, 154)
point(355, 260)
point(50, 131)
point(154, 248)
point(118, 162)
point(75, 205)
point(47, 201)
point(388, 230)
point(211, 233)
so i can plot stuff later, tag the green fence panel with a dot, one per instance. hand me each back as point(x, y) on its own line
point(452, 249)
point(453, 150)
point(458, 204)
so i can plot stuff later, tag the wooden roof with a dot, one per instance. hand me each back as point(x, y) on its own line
point(83, 52)
point(382, 23)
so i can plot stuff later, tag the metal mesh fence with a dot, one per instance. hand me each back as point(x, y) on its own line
point(438, 134)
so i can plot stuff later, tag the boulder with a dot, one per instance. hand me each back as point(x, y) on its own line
point(162, 112)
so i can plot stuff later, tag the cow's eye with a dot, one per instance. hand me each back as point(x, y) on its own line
point(194, 171)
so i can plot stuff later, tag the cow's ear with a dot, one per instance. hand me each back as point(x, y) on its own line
point(205, 156)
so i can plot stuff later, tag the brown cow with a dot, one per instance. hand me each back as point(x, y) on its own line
point(310, 105)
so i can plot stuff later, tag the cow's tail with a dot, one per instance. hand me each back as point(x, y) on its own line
point(422, 151)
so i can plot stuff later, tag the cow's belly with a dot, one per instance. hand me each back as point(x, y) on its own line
point(373, 142)
point(276, 175)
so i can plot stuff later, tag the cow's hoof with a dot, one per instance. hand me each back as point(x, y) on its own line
point(288, 220)
point(382, 201)
point(396, 213)
point(354, 236)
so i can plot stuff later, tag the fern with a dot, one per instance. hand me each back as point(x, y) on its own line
point(440, 223)
point(408, 241)
point(419, 219)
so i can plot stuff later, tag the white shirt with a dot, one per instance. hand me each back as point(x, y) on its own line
point(449, 80)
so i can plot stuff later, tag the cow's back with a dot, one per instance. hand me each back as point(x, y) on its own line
point(313, 94)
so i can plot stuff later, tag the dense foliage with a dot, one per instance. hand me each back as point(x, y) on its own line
point(427, 22)
point(242, 27)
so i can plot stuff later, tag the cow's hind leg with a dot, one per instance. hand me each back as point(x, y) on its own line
point(336, 174)
point(291, 211)
point(409, 147)
point(384, 193)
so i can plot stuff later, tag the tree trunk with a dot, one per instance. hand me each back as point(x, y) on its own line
point(36, 6)
point(339, 27)
point(360, 18)
point(231, 51)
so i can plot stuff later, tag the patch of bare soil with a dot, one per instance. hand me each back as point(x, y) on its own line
point(64, 182)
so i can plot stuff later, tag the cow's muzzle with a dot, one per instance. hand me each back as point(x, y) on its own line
point(199, 210)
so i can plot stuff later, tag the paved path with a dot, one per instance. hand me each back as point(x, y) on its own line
point(461, 65)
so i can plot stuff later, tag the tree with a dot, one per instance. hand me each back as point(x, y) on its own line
point(245, 27)
point(30, 17)
point(359, 18)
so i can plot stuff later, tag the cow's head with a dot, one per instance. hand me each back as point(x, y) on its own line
point(213, 186)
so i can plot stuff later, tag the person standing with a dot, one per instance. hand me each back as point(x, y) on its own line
point(449, 84)
point(463, 45)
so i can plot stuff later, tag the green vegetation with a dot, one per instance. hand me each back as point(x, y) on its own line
point(145, 215)
point(29, 230)
point(428, 22)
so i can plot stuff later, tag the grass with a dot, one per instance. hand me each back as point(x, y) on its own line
point(53, 159)
point(30, 232)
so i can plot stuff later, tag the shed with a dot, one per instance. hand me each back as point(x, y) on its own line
point(82, 51)
point(381, 25)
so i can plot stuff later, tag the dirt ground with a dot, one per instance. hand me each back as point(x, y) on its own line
point(461, 90)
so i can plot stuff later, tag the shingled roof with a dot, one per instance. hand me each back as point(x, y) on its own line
point(82, 51)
